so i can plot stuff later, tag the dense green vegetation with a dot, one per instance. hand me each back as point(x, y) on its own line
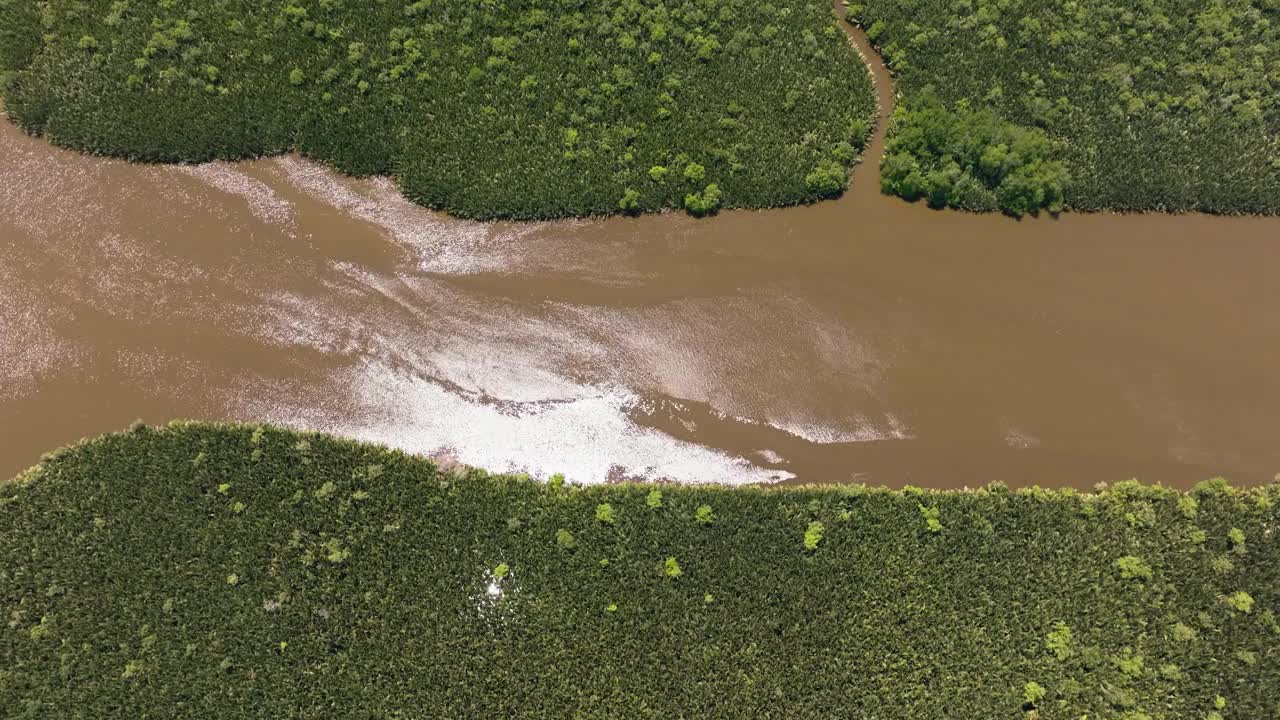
point(1154, 104)
point(970, 159)
point(19, 36)
point(242, 572)
point(522, 108)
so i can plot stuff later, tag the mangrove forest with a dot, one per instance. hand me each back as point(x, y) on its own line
point(538, 109)
point(519, 109)
point(1086, 104)
point(236, 571)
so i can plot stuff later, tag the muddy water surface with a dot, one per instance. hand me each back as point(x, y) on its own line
point(863, 339)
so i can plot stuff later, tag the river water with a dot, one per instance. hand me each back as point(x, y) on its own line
point(863, 339)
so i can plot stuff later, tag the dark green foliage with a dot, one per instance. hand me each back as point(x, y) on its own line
point(20, 34)
point(363, 583)
point(970, 159)
point(1157, 104)
point(522, 109)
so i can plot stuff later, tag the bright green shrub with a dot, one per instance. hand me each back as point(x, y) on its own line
point(605, 514)
point(521, 109)
point(630, 201)
point(1032, 693)
point(705, 202)
point(117, 554)
point(930, 515)
point(1236, 537)
point(704, 515)
point(1188, 505)
point(1059, 641)
point(1130, 664)
point(813, 535)
point(1183, 633)
point(694, 173)
point(1133, 567)
point(1241, 601)
point(654, 499)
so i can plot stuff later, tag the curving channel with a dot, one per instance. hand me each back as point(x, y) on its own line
point(866, 178)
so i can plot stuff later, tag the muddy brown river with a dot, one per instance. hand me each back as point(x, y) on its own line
point(862, 339)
